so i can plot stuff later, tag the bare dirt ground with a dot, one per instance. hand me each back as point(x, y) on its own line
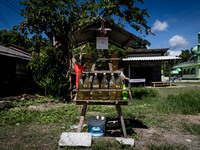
point(173, 135)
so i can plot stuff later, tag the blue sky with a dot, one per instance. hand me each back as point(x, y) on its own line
point(176, 23)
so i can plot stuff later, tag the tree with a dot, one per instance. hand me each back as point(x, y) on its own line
point(60, 17)
point(185, 55)
point(14, 37)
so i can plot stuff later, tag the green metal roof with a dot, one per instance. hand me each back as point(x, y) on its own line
point(174, 72)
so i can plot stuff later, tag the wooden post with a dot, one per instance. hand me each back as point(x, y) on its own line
point(82, 118)
point(121, 120)
point(169, 66)
point(129, 74)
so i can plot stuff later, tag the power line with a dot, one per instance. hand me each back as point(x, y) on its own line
point(4, 21)
point(10, 7)
point(13, 5)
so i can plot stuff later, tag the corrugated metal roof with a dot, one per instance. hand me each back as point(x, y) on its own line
point(13, 53)
point(151, 58)
point(149, 50)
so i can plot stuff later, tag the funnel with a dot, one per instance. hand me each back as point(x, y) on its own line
point(78, 69)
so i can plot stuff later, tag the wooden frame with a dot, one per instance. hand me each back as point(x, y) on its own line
point(117, 103)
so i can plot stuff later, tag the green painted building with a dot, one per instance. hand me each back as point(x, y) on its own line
point(190, 70)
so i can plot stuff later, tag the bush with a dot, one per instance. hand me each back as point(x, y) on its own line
point(184, 103)
point(140, 93)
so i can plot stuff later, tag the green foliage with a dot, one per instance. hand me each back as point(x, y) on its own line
point(193, 129)
point(185, 103)
point(140, 93)
point(49, 71)
point(185, 55)
point(14, 37)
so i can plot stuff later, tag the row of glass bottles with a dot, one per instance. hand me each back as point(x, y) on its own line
point(104, 95)
point(88, 61)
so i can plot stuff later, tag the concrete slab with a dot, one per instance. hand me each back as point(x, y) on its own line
point(75, 139)
point(126, 141)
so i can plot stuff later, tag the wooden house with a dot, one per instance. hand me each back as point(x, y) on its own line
point(14, 76)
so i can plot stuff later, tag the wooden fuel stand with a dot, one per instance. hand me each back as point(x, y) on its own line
point(103, 30)
point(117, 103)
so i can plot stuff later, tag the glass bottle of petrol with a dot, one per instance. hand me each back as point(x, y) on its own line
point(119, 86)
point(104, 85)
point(80, 94)
point(114, 62)
point(87, 85)
point(112, 94)
point(88, 60)
point(95, 86)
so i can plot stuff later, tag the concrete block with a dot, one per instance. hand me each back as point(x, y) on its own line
point(75, 139)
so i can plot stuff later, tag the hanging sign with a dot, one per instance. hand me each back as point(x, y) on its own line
point(102, 43)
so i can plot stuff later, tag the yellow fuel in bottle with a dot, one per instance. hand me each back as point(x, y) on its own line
point(119, 86)
point(114, 62)
point(95, 86)
point(88, 60)
point(104, 85)
point(112, 94)
point(87, 85)
point(80, 94)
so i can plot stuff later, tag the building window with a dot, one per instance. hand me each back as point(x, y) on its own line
point(184, 71)
point(188, 71)
point(193, 71)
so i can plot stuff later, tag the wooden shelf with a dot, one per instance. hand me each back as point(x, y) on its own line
point(102, 102)
point(99, 90)
point(102, 71)
point(108, 59)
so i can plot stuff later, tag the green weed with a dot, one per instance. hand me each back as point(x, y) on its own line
point(55, 115)
point(184, 103)
point(193, 129)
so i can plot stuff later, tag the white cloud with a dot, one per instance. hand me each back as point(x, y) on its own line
point(159, 26)
point(175, 53)
point(178, 42)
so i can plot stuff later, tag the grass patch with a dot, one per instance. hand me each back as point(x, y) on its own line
point(55, 115)
point(193, 129)
point(184, 103)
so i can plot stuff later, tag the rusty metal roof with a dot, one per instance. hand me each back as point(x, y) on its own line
point(115, 34)
point(162, 51)
point(5, 51)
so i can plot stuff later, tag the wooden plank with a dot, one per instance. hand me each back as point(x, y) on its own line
point(109, 59)
point(102, 71)
point(99, 90)
point(121, 117)
point(99, 102)
point(82, 118)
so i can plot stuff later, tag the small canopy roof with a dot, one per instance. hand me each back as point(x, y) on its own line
point(103, 27)
point(174, 72)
